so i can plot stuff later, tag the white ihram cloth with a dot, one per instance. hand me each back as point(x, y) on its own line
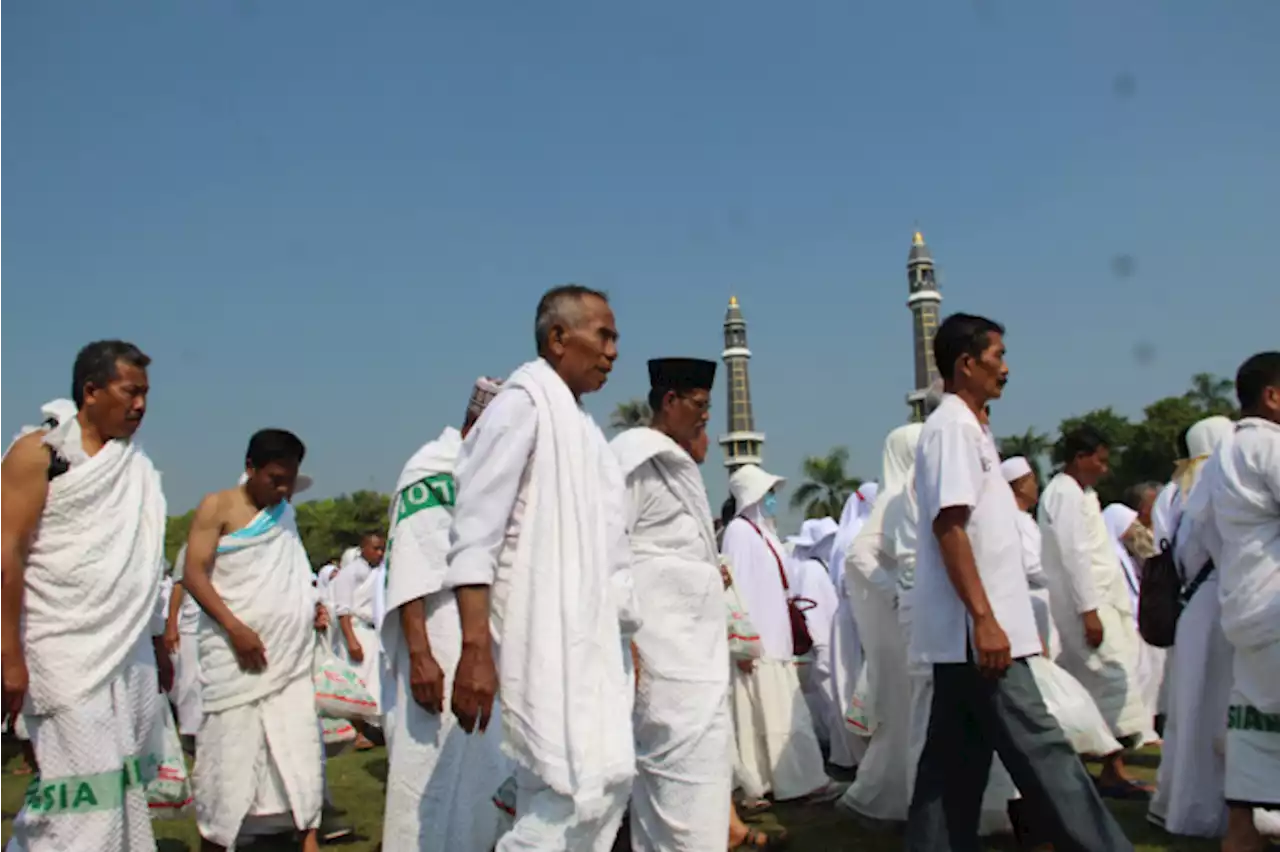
point(683, 730)
point(871, 577)
point(562, 605)
point(92, 583)
point(777, 745)
point(1084, 574)
point(1245, 501)
point(259, 747)
point(440, 781)
point(1151, 660)
point(809, 566)
point(355, 594)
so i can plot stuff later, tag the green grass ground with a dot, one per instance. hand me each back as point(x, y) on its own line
point(356, 781)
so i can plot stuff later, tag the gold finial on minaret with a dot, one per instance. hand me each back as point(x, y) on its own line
point(918, 239)
point(733, 301)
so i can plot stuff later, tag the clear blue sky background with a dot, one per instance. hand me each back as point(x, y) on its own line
point(332, 216)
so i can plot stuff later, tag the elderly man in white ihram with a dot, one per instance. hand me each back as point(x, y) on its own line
point(777, 744)
point(540, 568)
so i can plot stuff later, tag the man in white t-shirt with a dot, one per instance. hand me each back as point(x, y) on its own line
point(974, 624)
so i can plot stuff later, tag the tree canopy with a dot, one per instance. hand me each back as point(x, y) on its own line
point(629, 415)
point(1141, 450)
point(826, 487)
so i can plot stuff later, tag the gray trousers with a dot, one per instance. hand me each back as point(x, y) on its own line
point(973, 716)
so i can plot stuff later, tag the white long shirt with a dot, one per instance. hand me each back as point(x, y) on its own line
point(957, 464)
point(494, 468)
point(1079, 556)
point(1246, 509)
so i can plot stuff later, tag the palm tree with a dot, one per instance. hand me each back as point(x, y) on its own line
point(1211, 394)
point(630, 414)
point(826, 486)
point(1031, 445)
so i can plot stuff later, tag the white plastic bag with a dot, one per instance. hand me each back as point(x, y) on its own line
point(169, 788)
point(858, 717)
point(1072, 705)
point(340, 693)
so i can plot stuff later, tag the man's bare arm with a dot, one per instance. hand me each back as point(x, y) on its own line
point(957, 556)
point(202, 550)
point(990, 643)
point(473, 614)
point(413, 623)
point(24, 484)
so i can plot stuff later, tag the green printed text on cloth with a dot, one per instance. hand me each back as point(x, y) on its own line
point(81, 794)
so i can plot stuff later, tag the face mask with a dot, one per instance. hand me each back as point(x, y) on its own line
point(769, 505)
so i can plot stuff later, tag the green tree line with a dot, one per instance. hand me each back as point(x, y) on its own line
point(1142, 450)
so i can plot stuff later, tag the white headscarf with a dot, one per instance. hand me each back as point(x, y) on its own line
point(1119, 518)
point(856, 511)
point(899, 457)
point(816, 538)
point(1203, 436)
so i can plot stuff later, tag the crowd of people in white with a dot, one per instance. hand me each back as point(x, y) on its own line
point(559, 635)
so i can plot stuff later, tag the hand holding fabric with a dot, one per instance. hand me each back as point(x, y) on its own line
point(172, 639)
point(426, 682)
point(322, 617)
point(474, 686)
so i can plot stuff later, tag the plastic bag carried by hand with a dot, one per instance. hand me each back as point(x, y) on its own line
point(340, 693)
point(859, 718)
point(169, 788)
point(1071, 704)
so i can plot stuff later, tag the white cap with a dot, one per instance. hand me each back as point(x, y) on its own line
point(1014, 468)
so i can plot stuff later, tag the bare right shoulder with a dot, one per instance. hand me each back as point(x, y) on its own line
point(26, 464)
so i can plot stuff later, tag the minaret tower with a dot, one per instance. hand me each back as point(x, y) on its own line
point(924, 300)
point(742, 443)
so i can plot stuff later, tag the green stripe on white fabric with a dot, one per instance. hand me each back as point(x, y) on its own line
point(82, 794)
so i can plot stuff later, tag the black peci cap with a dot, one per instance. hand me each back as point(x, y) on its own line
point(682, 374)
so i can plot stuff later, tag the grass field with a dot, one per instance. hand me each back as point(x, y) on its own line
point(356, 781)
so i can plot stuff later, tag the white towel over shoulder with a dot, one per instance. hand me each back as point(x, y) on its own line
point(565, 690)
point(262, 574)
point(93, 574)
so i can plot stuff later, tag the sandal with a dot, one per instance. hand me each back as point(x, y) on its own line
point(754, 838)
point(750, 807)
point(1125, 790)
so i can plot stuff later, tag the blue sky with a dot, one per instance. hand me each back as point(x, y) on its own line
point(331, 217)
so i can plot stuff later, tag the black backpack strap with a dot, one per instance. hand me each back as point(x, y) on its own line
point(1195, 584)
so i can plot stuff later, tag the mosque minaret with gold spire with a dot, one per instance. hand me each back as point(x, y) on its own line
point(925, 301)
point(741, 444)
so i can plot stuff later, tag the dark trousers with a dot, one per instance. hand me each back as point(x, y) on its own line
point(971, 717)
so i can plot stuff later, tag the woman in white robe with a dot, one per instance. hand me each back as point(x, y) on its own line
point(847, 748)
point(1120, 521)
point(778, 750)
point(880, 791)
point(810, 560)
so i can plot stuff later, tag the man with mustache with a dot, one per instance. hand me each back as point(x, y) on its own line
point(973, 624)
point(540, 570)
point(83, 555)
point(682, 723)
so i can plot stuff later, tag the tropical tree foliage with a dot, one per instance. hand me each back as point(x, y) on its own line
point(1141, 450)
point(826, 485)
point(327, 527)
point(630, 414)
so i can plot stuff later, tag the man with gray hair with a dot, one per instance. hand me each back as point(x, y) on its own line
point(540, 570)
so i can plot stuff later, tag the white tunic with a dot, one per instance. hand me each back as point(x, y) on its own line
point(682, 724)
point(440, 781)
point(1084, 575)
point(355, 594)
